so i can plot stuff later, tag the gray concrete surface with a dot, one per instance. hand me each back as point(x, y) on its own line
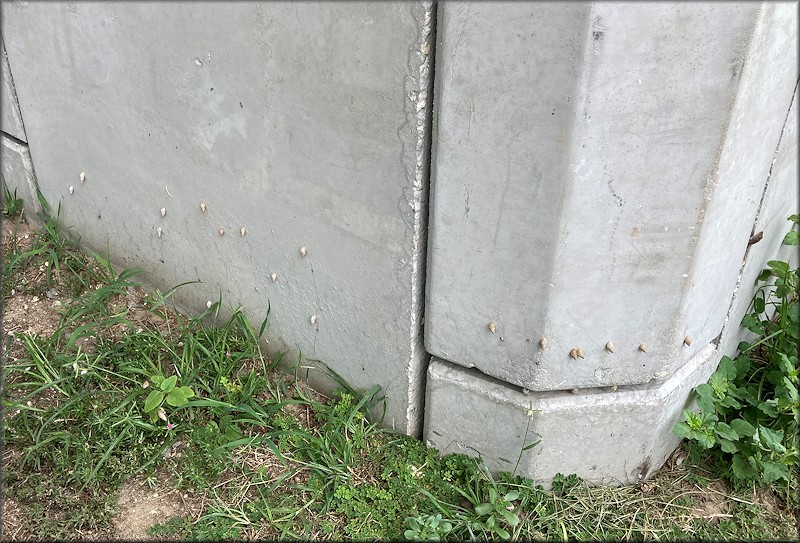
point(779, 201)
point(10, 118)
point(733, 195)
point(302, 123)
point(571, 188)
point(604, 437)
point(18, 173)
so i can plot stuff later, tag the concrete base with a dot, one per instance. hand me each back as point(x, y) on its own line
point(18, 174)
point(604, 436)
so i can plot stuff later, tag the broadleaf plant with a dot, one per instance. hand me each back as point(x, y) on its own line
point(750, 407)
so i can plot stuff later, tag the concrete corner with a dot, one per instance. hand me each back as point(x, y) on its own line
point(604, 436)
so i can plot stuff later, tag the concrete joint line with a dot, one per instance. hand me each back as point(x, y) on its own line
point(417, 370)
point(13, 138)
point(757, 217)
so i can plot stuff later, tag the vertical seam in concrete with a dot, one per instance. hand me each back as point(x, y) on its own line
point(757, 216)
point(419, 357)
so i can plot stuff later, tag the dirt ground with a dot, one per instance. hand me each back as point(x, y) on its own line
point(139, 506)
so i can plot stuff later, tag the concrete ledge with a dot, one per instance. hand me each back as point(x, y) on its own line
point(604, 436)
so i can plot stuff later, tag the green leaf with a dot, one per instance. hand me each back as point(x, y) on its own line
point(779, 266)
point(157, 379)
point(483, 508)
point(751, 323)
point(742, 366)
point(771, 439)
point(727, 367)
point(705, 398)
point(410, 535)
point(791, 238)
point(774, 471)
point(795, 218)
point(768, 409)
point(759, 304)
point(511, 496)
point(763, 276)
point(742, 468)
point(682, 430)
point(175, 398)
point(793, 312)
point(187, 392)
point(727, 446)
point(743, 428)
point(729, 401)
point(723, 430)
point(502, 533)
point(169, 383)
point(706, 439)
point(510, 517)
point(153, 400)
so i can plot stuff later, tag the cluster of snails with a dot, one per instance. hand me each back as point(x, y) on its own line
point(576, 352)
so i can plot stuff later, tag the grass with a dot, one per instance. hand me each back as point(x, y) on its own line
point(263, 456)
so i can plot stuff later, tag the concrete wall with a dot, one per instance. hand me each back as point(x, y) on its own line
point(596, 173)
point(299, 122)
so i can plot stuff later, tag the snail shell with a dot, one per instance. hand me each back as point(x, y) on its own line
point(573, 353)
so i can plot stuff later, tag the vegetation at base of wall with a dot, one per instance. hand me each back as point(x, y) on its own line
point(750, 408)
point(125, 395)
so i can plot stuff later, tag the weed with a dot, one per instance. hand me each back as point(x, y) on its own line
point(750, 408)
point(12, 205)
point(427, 528)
